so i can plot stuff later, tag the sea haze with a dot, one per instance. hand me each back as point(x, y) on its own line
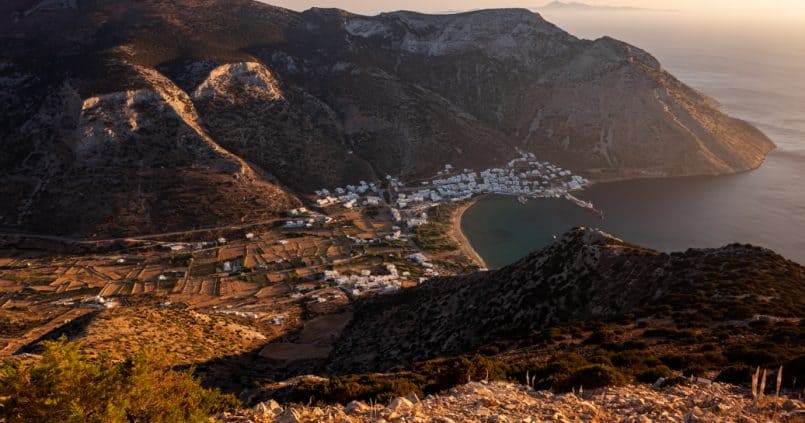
point(757, 76)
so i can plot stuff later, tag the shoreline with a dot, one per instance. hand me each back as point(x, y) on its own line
point(458, 234)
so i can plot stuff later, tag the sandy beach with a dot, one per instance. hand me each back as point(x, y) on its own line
point(458, 234)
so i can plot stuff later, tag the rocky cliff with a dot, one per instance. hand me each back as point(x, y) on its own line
point(174, 114)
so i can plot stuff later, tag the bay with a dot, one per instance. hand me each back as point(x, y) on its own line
point(759, 82)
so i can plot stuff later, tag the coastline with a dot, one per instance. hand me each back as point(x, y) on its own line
point(458, 234)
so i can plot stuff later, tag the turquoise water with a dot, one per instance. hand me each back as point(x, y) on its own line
point(765, 207)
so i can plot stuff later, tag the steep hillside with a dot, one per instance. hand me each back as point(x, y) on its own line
point(587, 275)
point(275, 98)
point(601, 106)
point(128, 162)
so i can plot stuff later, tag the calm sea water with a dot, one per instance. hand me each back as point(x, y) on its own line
point(757, 81)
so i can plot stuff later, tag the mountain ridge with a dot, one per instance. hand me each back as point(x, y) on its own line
point(400, 93)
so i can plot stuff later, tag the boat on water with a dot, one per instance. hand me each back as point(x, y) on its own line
point(522, 200)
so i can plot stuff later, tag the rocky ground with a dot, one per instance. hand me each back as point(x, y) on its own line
point(505, 402)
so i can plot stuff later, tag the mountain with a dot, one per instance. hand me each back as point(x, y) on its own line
point(157, 115)
point(586, 276)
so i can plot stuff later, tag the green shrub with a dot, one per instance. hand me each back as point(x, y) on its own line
point(66, 386)
point(343, 389)
point(651, 374)
point(708, 348)
point(634, 345)
point(564, 363)
point(757, 355)
point(739, 374)
point(600, 357)
point(558, 368)
point(676, 380)
point(593, 376)
point(443, 374)
point(424, 378)
point(675, 361)
point(600, 336)
point(712, 359)
point(660, 333)
point(787, 334)
point(631, 358)
point(695, 370)
point(794, 373)
point(434, 238)
point(685, 336)
point(760, 325)
point(551, 335)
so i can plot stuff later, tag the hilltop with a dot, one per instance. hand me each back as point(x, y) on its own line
point(585, 276)
point(171, 115)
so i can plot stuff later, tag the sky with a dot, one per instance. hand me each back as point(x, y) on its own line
point(729, 9)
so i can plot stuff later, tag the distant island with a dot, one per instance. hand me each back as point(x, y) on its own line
point(575, 6)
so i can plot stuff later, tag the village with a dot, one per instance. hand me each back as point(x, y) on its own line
point(523, 177)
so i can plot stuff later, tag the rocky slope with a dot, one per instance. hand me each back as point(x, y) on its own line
point(133, 161)
point(280, 102)
point(587, 275)
point(600, 106)
point(504, 402)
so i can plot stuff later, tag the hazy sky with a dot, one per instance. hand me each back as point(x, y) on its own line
point(783, 9)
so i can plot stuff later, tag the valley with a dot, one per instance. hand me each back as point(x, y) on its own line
point(255, 283)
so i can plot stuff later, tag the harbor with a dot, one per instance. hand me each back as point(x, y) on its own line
point(523, 177)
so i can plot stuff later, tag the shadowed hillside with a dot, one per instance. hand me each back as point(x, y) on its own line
point(586, 276)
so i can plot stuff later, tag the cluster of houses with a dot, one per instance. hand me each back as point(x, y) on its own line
point(177, 247)
point(304, 218)
point(356, 285)
point(93, 302)
point(238, 313)
point(524, 176)
point(365, 282)
point(411, 217)
point(423, 261)
point(348, 196)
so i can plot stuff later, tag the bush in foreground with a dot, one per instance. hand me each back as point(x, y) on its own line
point(595, 376)
point(66, 386)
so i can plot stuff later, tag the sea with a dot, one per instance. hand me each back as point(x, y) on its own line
point(756, 71)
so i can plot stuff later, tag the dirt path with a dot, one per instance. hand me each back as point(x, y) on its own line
point(139, 237)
